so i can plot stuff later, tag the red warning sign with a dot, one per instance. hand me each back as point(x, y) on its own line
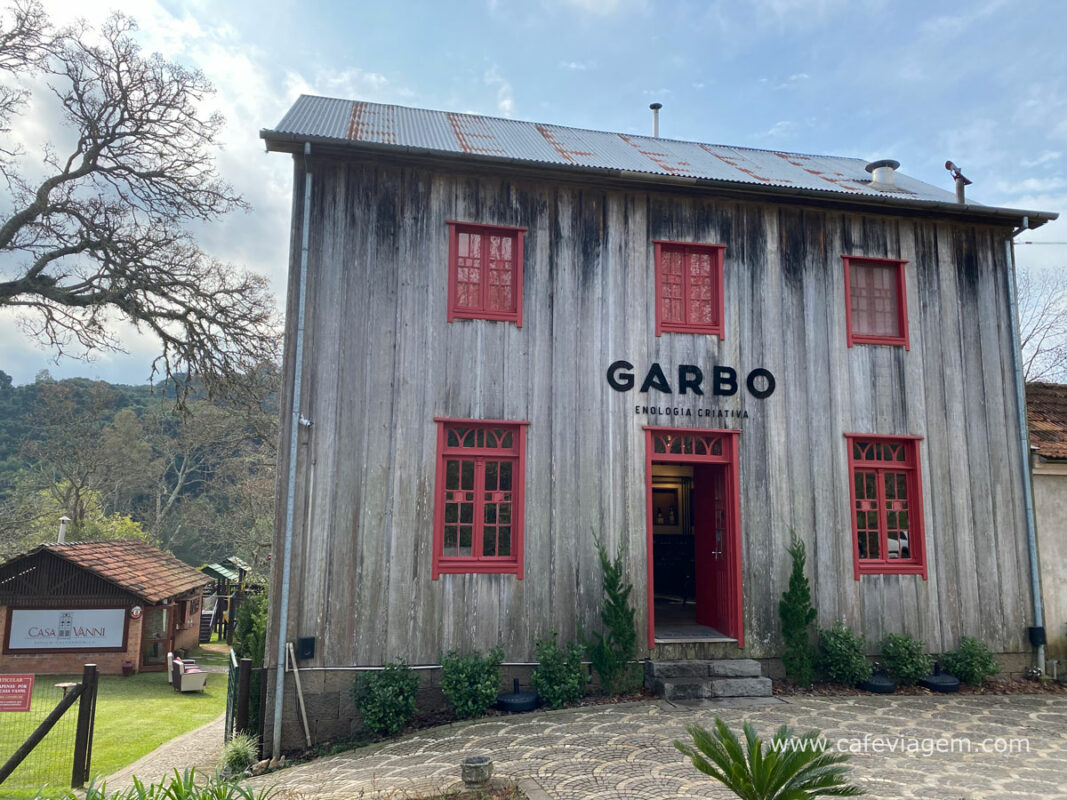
point(16, 692)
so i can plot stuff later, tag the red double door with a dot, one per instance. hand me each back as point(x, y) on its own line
point(716, 524)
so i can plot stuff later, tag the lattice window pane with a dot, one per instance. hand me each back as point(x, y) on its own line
point(874, 301)
point(469, 270)
point(501, 273)
point(701, 294)
point(672, 285)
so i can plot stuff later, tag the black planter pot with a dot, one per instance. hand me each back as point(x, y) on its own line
point(879, 684)
point(940, 682)
point(516, 700)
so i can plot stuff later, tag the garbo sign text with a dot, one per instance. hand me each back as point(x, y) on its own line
point(759, 382)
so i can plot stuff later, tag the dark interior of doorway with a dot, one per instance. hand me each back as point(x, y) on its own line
point(674, 561)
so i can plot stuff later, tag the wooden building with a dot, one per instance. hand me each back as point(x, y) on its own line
point(509, 338)
point(122, 605)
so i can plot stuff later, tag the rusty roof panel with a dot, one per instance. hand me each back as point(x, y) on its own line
point(478, 136)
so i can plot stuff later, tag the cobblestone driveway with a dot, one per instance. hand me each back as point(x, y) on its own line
point(625, 751)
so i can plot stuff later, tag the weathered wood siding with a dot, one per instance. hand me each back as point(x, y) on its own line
point(381, 362)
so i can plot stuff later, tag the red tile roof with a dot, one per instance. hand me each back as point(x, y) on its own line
point(137, 567)
point(1046, 411)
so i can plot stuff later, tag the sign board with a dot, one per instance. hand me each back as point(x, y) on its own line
point(66, 629)
point(16, 692)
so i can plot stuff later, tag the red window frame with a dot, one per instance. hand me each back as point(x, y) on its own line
point(892, 462)
point(682, 321)
point(484, 306)
point(482, 443)
point(866, 337)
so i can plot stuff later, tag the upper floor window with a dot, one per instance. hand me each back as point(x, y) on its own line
point(689, 297)
point(876, 311)
point(478, 513)
point(887, 513)
point(485, 272)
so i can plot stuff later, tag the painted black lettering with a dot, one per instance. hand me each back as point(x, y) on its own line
point(690, 377)
point(619, 380)
point(767, 391)
point(725, 381)
point(655, 379)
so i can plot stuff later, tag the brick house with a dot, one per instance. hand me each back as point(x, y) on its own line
point(1046, 410)
point(112, 603)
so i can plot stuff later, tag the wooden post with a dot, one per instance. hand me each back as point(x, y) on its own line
point(83, 739)
point(244, 685)
point(262, 707)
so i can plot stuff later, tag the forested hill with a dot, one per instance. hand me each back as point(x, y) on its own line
point(121, 461)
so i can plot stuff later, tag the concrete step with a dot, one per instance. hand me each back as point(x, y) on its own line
point(707, 678)
point(696, 651)
point(710, 688)
point(718, 668)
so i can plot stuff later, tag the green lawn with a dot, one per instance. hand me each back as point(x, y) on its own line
point(133, 717)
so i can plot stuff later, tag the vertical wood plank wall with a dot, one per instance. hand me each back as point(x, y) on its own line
point(381, 362)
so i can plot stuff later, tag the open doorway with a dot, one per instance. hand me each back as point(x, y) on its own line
point(693, 537)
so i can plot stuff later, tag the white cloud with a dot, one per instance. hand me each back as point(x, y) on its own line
point(577, 66)
point(505, 97)
point(1031, 186)
point(600, 8)
point(781, 129)
point(949, 26)
point(1045, 158)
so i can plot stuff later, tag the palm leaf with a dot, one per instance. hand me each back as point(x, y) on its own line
point(788, 767)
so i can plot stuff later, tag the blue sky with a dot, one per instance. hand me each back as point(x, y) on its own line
point(981, 83)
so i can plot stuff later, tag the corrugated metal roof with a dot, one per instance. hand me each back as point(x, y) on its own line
point(219, 571)
point(446, 132)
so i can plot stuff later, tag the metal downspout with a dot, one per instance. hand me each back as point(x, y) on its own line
point(1024, 442)
point(294, 434)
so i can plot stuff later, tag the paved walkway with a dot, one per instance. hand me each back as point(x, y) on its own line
point(199, 748)
point(624, 751)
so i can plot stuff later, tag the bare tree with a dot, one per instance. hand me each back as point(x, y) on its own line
point(1043, 324)
point(104, 233)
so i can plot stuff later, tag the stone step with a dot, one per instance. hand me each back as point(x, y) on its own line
point(695, 651)
point(718, 668)
point(710, 688)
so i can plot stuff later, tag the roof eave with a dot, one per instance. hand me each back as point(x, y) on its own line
point(278, 142)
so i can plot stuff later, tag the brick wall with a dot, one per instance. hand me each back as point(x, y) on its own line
point(188, 638)
point(70, 663)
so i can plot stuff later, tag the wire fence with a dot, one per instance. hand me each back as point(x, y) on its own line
point(51, 762)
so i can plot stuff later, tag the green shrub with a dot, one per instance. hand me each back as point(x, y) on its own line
point(841, 656)
point(250, 629)
point(904, 659)
point(471, 683)
point(613, 652)
point(797, 616)
point(238, 754)
point(558, 676)
point(972, 663)
point(250, 641)
point(772, 771)
point(386, 698)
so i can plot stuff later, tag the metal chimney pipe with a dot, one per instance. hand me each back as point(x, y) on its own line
point(961, 182)
point(63, 529)
point(655, 118)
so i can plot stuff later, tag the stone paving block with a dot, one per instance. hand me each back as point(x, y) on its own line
point(625, 751)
